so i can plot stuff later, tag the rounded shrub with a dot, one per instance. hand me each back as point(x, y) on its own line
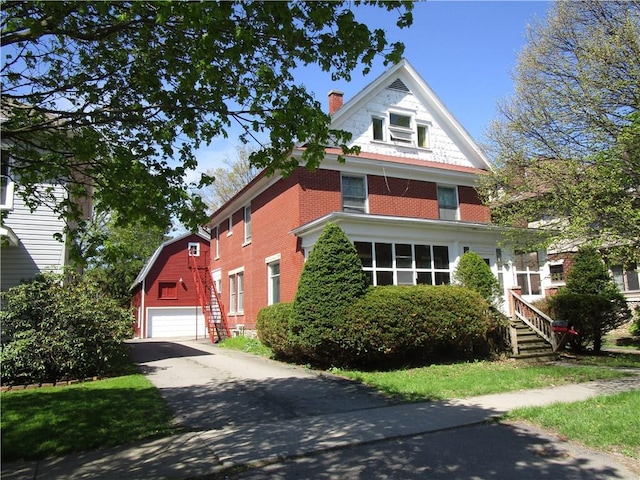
point(403, 323)
point(274, 329)
point(53, 330)
point(472, 272)
point(332, 278)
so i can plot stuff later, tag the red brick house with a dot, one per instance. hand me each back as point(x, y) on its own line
point(164, 293)
point(407, 201)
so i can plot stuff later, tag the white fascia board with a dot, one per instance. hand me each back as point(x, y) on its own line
point(365, 226)
point(426, 173)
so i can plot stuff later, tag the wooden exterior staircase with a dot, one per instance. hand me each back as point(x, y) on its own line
point(531, 332)
point(209, 300)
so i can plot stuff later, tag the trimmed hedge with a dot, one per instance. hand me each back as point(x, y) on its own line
point(411, 323)
point(274, 329)
point(392, 324)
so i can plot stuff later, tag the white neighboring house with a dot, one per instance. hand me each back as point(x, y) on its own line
point(27, 245)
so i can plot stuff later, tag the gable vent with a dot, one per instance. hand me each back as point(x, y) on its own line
point(398, 85)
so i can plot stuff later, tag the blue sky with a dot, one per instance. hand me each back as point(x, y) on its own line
point(465, 51)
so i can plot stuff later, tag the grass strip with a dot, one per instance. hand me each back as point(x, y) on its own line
point(248, 345)
point(461, 380)
point(52, 421)
point(608, 422)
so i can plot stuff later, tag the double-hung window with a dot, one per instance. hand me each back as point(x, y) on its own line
point(6, 184)
point(194, 249)
point(236, 292)
point(448, 203)
point(354, 194)
point(247, 224)
point(273, 272)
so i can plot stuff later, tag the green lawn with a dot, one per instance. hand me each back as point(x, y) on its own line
point(51, 421)
point(610, 423)
point(460, 380)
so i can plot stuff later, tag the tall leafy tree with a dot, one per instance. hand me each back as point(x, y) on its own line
point(118, 95)
point(229, 179)
point(567, 142)
point(118, 255)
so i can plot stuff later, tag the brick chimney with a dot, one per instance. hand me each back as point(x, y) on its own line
point(335, 101)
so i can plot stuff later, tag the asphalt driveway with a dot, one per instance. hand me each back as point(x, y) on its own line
point(209, 388)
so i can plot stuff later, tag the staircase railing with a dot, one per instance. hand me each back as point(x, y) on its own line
point(209, 300)
point(539, 322)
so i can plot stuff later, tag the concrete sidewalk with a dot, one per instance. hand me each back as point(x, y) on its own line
point(210, 452)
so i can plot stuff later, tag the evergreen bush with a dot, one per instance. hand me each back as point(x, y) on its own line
point(591, 301)
point(274, 329)
point(53, 330)
point(332, 278)
point(472, 272)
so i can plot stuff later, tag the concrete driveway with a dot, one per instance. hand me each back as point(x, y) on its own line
point(209, 388)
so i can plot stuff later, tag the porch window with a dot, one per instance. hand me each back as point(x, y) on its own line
point(404, 263)
point(528, 273)
point(354, 194)
point(626, 279)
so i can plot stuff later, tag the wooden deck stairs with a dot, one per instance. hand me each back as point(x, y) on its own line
point(531, 332)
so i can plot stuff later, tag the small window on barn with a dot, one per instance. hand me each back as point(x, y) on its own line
point(168, 290)
point(194, 249)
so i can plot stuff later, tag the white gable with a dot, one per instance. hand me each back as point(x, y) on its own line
point(402, 104)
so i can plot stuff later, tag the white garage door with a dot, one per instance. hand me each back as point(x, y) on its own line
point(175, 322)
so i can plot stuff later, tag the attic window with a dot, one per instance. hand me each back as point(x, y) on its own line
point(399, 86)
point(400, 128)
point(194, 249)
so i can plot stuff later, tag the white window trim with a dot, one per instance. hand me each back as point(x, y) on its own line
point(275, 259)
point(190, 245)
point(230, 226)
point(216, 240)
point(233, 291)
point(455, 189)
point(366, 189)
point(272, 258)
point(427, 126)
point(247, 225)
point(8, 194)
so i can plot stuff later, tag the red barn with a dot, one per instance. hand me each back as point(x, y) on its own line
point(164, 293)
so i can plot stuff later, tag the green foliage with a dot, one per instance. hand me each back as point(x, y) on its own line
point(567, 142)
point(121, 253)
point(588, 274)
point(635, 326)
point(332, 278)
point(274, 329)
point(591, 301)
point(142, 85)
point(53, 330)
point(472, 272)
point(246, 344)
point(400, 323)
